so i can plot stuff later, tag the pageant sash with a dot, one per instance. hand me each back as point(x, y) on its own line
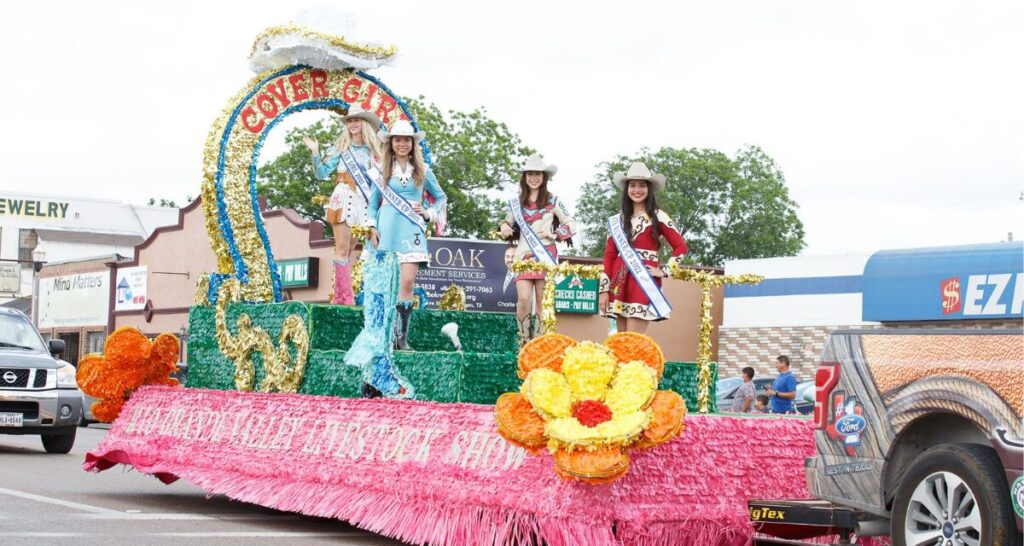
point(402, 205)
point(532, 239)
point(358, 174)
point(637, 268)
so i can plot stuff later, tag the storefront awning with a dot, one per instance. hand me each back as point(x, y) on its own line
point(945, 283)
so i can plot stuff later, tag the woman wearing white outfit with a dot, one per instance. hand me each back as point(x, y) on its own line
point(348, 203)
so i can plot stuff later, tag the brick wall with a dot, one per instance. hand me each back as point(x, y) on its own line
point(758, 347)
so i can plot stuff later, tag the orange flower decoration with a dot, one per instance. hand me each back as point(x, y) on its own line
point(129, 361)
point(590, 403)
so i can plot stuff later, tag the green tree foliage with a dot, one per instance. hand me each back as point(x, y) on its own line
point(474, 157)
point(154, 202)
point(727, 207)
point(288, 182)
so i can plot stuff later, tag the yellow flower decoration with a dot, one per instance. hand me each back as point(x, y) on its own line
point(590, 403)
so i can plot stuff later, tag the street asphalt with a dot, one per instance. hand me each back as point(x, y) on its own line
point(49, 500)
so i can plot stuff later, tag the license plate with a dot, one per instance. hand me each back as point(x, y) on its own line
point(11, 420)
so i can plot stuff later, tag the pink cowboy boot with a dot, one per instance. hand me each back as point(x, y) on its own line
point(343, 283)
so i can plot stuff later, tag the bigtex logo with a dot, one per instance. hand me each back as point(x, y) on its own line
point(766, 514)
point(993, 295)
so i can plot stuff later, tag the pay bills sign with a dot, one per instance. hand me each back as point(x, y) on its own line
point(576, 295)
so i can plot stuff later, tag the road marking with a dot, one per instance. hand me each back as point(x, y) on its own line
point(225, 534)
point(186, 516)
point(259, 534)
point(59, 502)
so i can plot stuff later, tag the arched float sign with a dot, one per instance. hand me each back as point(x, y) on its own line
point(237, 235)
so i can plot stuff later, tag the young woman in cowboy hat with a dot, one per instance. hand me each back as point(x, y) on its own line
point(630, 287)
point(535, 222)
point(358, 149)
point(397, 214)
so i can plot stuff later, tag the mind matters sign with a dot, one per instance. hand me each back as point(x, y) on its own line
point(74, 300)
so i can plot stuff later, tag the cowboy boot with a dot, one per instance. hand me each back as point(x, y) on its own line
point(343, 282)
point(524, 330)
point(404, 308)
point(535, 326)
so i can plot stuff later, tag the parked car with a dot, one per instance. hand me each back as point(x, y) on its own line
point(728, 386)
point(38, 393)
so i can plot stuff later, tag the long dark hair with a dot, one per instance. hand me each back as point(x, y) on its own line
point(650, 205)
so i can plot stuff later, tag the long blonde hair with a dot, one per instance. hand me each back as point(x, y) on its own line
point(370, 139)
point(419, 166)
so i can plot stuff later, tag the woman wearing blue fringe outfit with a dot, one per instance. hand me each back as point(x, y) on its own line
point(401, 205)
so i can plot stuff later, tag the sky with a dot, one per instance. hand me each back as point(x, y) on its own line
point(897, 124)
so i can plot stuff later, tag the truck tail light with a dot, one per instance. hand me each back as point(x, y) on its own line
point(825, 380)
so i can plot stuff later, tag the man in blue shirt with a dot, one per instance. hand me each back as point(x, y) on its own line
point(783, 391)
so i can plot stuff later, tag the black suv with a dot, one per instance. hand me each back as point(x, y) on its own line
point(38, 392)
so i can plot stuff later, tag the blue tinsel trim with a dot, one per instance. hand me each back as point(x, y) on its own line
point(405, 108)
point(241, 272)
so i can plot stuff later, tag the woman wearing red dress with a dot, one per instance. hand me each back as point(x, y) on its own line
point(642, 226)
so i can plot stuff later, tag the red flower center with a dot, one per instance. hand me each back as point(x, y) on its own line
point(591, 412)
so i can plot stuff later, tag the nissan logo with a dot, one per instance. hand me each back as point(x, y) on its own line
point(10, 376)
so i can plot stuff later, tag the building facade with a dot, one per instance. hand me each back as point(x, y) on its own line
point(802, 299)
point(58, 229)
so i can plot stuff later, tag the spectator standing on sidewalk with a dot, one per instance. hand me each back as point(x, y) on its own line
point(743, 401)
point(783, 391)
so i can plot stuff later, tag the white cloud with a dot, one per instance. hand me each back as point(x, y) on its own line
point(911, 108)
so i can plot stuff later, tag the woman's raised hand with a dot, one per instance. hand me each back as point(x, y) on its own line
point(505, 230)
point(311, 144)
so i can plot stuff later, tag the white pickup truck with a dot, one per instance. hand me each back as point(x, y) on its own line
point(919, 436)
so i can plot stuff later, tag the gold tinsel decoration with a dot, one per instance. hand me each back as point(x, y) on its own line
point(232, 164)
point(202, 290)
point(706, 280)
point(320, 200)
point(363, 50)
point(281, 373)
point(453, 299)
point(564, 269)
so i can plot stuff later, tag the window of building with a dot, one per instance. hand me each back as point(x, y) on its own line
point(95, 342)
point(71, 347)
point(27, 241)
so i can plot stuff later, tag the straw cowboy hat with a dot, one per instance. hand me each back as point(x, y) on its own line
point(536, 163)
point(639, 171)
point(402, 127)
point(356, 111)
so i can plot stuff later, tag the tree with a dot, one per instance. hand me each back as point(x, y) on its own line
point(473, 156)
point(153, 201)
point(727, 208)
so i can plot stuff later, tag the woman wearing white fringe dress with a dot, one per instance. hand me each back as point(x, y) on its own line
point(355, 158)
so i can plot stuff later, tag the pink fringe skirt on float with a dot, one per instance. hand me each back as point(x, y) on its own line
point(435, 473)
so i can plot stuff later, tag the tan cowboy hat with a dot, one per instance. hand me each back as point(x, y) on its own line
point(356, 111)
point(639, 171)
point(402, 127)
point(536, 163)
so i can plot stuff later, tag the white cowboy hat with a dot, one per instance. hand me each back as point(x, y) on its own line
point(536, 163)
point(402, 127)
point(356, 111)
point(639, 171)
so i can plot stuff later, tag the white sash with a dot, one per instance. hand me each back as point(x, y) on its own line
point(532, 239)
point(637, 268)
point(401, 204)
point(358, 174)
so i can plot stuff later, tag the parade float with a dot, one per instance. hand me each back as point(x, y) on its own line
point(564, 442)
